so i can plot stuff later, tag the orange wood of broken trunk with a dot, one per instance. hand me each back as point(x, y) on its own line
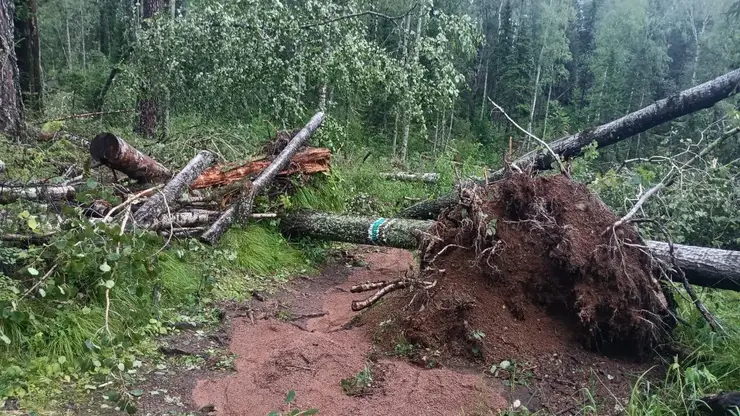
point(311, 160)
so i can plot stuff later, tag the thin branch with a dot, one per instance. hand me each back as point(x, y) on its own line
point(43, 278)
point(671, 176)
point(93, 114)
point(540, 141)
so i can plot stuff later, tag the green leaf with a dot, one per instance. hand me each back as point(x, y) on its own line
point(32, 271)
point(290, 397)
point(137, 392)
point(62, 359)
point(275, 413)
point(4, 338)
point(32, 223)
point(105, 268)
point(113, 256)
point(310, 412)
point(92, 184)
point(42, 292)
point(109, 284)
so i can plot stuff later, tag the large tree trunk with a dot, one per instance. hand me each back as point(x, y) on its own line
point(11, 104)
point(115, 153)
point(686, 102)
point(706, 267)
point(392, 232)
point(28, 52)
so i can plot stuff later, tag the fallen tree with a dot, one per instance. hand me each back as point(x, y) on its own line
point(114, 152)
point(707, 267)
point(10, 194)
point(685, 102)
point(412, 177)
point(242, 209)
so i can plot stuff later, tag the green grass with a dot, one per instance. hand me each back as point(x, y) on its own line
point(712, 366)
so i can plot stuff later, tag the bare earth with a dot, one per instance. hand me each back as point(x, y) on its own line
point(312, 356)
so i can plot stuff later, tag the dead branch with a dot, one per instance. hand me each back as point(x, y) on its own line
point(671, 176)
point(9, 194)
point(540, 141)
point(367, 286)
point(358, 305)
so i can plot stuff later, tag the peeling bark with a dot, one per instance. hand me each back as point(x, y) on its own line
point(686, 102)
point(157, 204)
point(115, 153)
point(184, 219)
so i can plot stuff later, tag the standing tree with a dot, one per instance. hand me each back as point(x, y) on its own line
point(28, 53)
point(148, 105)
point(11, 105)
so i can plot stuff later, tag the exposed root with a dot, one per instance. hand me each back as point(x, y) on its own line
point(359, 305)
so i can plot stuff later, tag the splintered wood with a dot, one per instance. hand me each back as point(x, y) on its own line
point(309, 161)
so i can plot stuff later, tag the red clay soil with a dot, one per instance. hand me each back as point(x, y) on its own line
point(312, 356)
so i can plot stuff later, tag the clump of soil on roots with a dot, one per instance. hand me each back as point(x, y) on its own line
point(526, 269)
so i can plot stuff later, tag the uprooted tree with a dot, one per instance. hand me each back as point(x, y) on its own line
point(685, 102)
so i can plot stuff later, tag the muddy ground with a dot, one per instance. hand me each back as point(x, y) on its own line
point(307, 339)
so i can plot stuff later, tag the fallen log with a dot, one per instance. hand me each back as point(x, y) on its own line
point(429, 178)
point(158, 204)
point(115, 153)
point(391, 232)
point(685, 102)
point(243, 207)
point(311, 160)
point(10, 194)
point(183, 219)
point(707, 267)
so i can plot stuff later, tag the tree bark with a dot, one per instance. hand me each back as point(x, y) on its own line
point(148, 104)
point(10, 194)
point(11, 110)
point(243, 208)
point(412, 177)
point(678, 105)
point(115, 153)
point(706, 267)
point(401, 233)
point(157, 204)
point(311, 160)
point(28, 52)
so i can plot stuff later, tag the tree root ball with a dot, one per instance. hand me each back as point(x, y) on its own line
point(531, 264)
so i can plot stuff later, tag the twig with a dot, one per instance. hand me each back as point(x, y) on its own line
point(44, 277)
point(540, 141)
point(172, 226)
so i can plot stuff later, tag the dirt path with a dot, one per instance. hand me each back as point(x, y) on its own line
point(302, 351)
